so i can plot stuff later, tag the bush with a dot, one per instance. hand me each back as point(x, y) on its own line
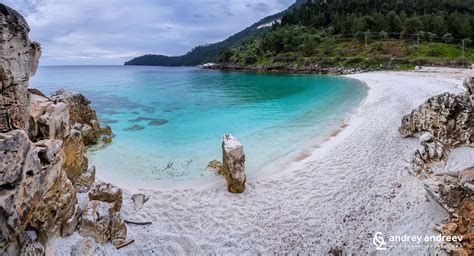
point(251, 59)
point(434, 52)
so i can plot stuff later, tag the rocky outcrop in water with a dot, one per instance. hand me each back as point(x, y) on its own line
point(80, 112)
point(446, 121)
point(233, 164)
point(42, 150)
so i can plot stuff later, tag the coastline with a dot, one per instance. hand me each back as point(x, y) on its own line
point(356, 180)
point(286, 68)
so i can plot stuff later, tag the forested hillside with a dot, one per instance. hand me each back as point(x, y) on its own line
point(365, 32)
point(208, 53)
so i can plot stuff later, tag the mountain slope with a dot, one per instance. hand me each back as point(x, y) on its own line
point(208, 53)
point(368, 34)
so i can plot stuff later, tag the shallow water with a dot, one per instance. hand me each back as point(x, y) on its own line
point(168, 122)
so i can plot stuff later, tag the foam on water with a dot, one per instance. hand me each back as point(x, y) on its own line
point(168, 122)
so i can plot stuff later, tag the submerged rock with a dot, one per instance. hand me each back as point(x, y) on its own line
point(109, 121)
point(214, 167)
point(233, 164)
point(134, 128)
point(152, 120)
point(157, 122)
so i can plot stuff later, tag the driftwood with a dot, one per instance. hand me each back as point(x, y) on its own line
point(138, 222)
point(125, 243)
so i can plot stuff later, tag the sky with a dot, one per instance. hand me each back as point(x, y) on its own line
point(99, 32)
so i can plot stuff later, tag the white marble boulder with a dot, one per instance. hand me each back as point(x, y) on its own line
point(233, 159)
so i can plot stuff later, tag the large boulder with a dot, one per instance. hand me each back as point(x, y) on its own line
point(469, 85)
point(449, 117)
point(430, 151)
point(75, 162)
point(453, 191)
point(107, 192)
point(80, 112)
point(84, 182)
point(47, 119)
point(101, 222)
point(233, 158)
point(36, 193)
point(18, 61)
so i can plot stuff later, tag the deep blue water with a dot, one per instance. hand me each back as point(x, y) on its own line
point(185, 112)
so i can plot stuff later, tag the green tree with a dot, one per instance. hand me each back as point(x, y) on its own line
point(439, 25)
point(448, 38)
point(225, 55)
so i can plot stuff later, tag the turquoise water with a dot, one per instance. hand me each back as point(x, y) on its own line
point(185, 111)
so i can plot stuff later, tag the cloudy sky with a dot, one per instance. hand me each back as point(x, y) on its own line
point(112, 31)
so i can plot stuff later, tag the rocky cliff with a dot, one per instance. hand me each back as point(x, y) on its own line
point(443, 122)
point(43, 167)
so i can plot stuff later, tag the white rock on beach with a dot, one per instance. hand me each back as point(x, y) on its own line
point(233, 159)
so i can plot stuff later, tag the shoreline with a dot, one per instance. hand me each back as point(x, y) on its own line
point(291, 69)
point(267, 170)
point(355, 180)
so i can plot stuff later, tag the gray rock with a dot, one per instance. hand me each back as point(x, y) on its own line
point(101, 222)
point(233, 164)
point(448, 117)
point(84, 181)
point(107, 192)
point(214, 167)
point(139, 200)
point(85, 247)
point(157, 122)
point(469, 85)
point(134, 128)
point(466, 179)
point(18, 61)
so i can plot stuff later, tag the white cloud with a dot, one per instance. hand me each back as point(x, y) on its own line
point(112, 31)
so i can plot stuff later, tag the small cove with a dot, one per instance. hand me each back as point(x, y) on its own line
point(168, 122)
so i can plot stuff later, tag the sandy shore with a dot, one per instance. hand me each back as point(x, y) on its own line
point(336, 196)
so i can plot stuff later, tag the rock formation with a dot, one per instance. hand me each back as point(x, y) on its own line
point(80, 113)
point(446, 121)
point(430, 150)
point(449, 117)
point(233, 164)
point(454, 191)
point(42, 151)
point(139, 200)
point(101, 219)
point(19, 60)
point(213, 167)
